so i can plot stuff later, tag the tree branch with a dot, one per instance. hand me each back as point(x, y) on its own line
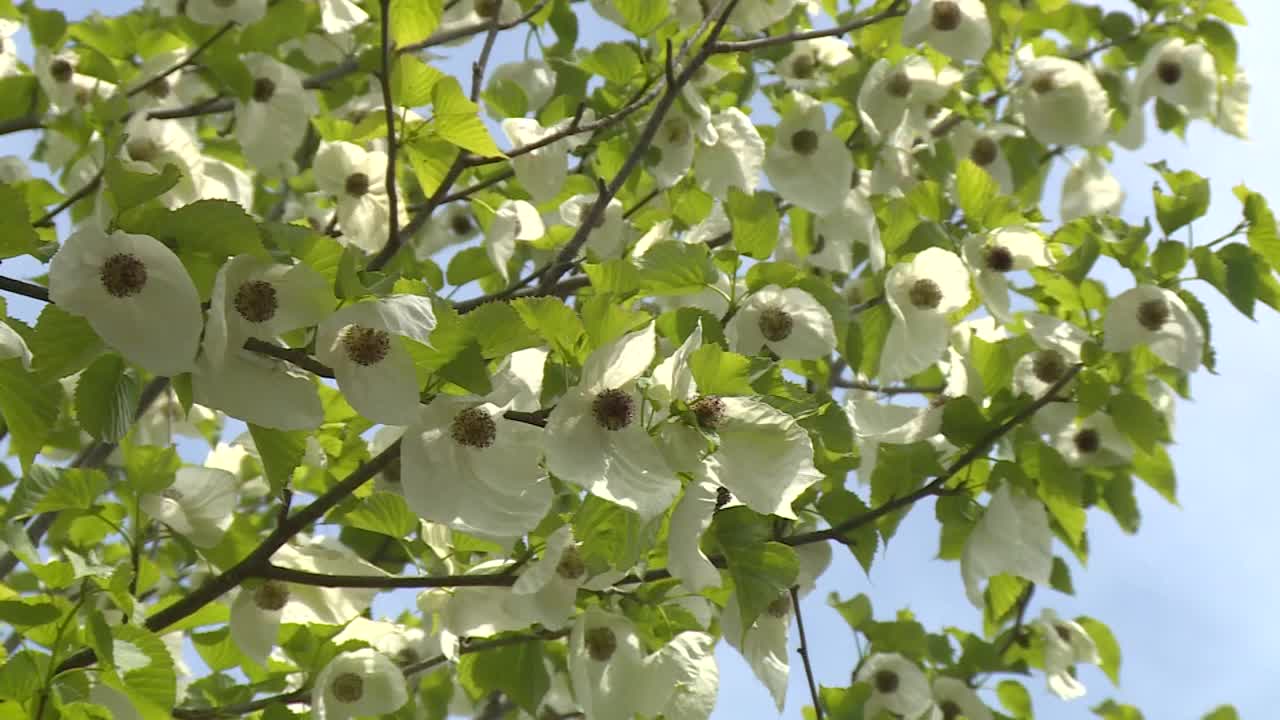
point(898, 9)
point(302, 577)
point(87, 189)
point(190, 58)
point(803, 652)
point(389, 113)
point(24, 288)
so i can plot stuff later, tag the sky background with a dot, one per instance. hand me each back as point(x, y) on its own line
point(1191, 598)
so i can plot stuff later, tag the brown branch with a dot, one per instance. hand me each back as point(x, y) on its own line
point(887, 389)
point(898, 9)
point(18, 124)
point(389, 113)
point(302, 577)
point(190, 58)
point(87, 189)
point(24, 288)
point(803, 652)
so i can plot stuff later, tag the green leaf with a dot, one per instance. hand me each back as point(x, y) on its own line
point(900, 470)
point(1137, 419)
point(618, 277)
point(1221, 44)
point(762, 571)
point(1262, 233)
point(412, 81)
point(128, 189)
point(17, 237)
point(1223, 712)
point(413, 21)
point(1156, 470)
point(1015, 698)
point(1169, 258)
point(554, 321)
point(718, 372)
point(518, 670)
point(217, 649)
point(155, 680)
point(754, 221)
point(467, 370)
point(29, 406)
point(1241, 276)
point(855, 611)
point(151, 469)
point(499, 329)
point(21, 677)
point(107, 398)
point(963, 422)
point(616, 62)
point(218, 228)
point(1108, 648)
point(47, 26)
point(1076, 266)
point(457, 119)
point(430, 155)
point(281, 452)
point(611, 535)
point(384, 513)
point(675, 268)
point(642, 17)
point(976, 190)
point(840, 505)
point(1190, 198)
point(75, 489)
point(994, 362)
point(28, 612)
point(873, 330)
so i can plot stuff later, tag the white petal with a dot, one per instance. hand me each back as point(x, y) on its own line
point(691, 517)
point(765, 458)
point(258, 390)
point(13, 346)
point(1012, 537)
point(621, 361)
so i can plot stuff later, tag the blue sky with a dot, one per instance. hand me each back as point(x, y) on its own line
point(1191, 597)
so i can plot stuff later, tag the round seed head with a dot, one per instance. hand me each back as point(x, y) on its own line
point(123, 275)
point(946, 15)
point(256, 301)
point(1087, 442)
point(775, 324)
point(1153, 314)
point(804, 142)
point(984, 152)
point(614, 409)
point(600, 643)
point(474, 428)
point(1169, 71)
point(899, 85)
point(885, 681)
point(347, 687)
point(61, 70)
point(780, 606)
point(357, 184)
point(1048, 366)
point(571, 565)
point(709, 410)
point(925, 294)
point(271, 596)
point(998, 258)
point(366, 346)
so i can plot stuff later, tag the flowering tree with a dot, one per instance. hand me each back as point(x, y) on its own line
point(601, 354)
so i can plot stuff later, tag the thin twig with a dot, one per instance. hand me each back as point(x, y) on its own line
point(803, 652)
point(389, 112)
point(898, 9)
point(302, 577)
point(190, 58)
point(85, 190)
point(24, 288)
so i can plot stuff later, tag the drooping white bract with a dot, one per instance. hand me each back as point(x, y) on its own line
point(61, 81)
point(340, 16)
point(1091, 441)
point(897, 686)
point(542, 171)
point(466, 466)
point(1233, 106)
point(1090, 189)
point(595, 437)
point(548, 587)
point(1012, 537)
point(687, 666)
point(608, 238)
point(1065, 644)
point(364, 343)
point(1060, 344)
point(358, 683)
point(535, 79)
point(733, 159)
point(153, 144)
point(358, 180)
point(953, 698)
point(672, 149)
point(808, 165)
point(514, 220)
point(134, 292)
point(1182, 74)
point(920, 294)
point(835, 234)
point(802, 68)
point(257, 389)
point(8, 48)
point(219, 12)
point(273, 122)
point(764, 643)
point(1063, 103)
point(788, 321)
point(451, 225)
point(254, 298)
point(258, 610)
point(199, 505)
point(899, 94)
point(401, 643)
point(1155, 317)
point(956, 28)
point(982, 146)
point(13, 346)
point(875, 423)
point(1001, 251)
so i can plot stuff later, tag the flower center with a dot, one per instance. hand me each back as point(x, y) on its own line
point(271, 596)
point(676, 131)
point(366, 346)
point(709, 410)
point(461, 224)
point(1043, 83)
point(950, 710)
point(614, 409)
point(357, 184)
point(158, 88)
point(123, 275)
point(263, 89)
point(407, 656)
point(775, 324)
point(256, 301)
point(1048, 366)
point(1087, 442)
point(998, 258)
point(804, 142)
point(899, 85)
point(488, 8)
point(723, 496)
point(61, 70)
point(984, 152)
point(1153, 314)
point(819, 243)
point(946, 15)
point(601, 643)
point(1169, 71)
point(780, 606)
point(473, 428)
point(172, 493)
point(886, 681)
point(347, 687)
point(803, 66)
point(925, 294)
point(571, 566)
point(1064, 633)
point(142, 149)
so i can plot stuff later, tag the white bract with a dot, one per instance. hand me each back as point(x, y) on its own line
point(273, 122)
point(13, 346)
point(1182, 74)
point(8, 48)
point(254, 298)
point(921, 293)
point(258, 389)
point(1158, 318)
point(199, 505)
point(981, 145)
point(340, 16)
point(1002, 251)
point(542, 171)
point(835, 234)
point(957, 28)
point(358, 180)
point(514, 220)
point(953, 699)
point(1013, 538)
point(1090, 189)
point(789, 322)
point(535, 80)
point(218, 12)
point(1063, 103)
point(1065, 644)
point(609, 234)
point(807, 164)
point(897, 685)
point(359, 683)
point(134, 292)
point(893, 95)
point(733, 159)
point(810, 59)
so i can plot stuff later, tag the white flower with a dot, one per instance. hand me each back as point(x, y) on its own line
point(199, 505)
point(8, 48)
point(789, 322)
point(1065, 644)
point(228, 457)
point(273, 122)
point(674, 147)
point(892, 95)
point(1060, 344)
point(220, 180)
point(134, 292)
point(339, 16)
point(517, 381)
point(401, 643)
point(258, 611)
point(358, 180)
point(982, 146)
point(897, 686)
point(953, 698)
point(835, 234)
point(1090, 189)
point(1063, 102)
point(452, 225)
point(258, 389)
point(1090, 441)
point(166, 418)
point(1182, 74)
point(157, 91)
point(687, 666)
point(467, 467)
point(514, 220)
point(66, 88)
point(691, 517)
point(364, 344)
point(13, 169)
point(259, 299)
point(875, 423)
point(807, 164)
point(956, 28)
point(535, 78)
point(1233, 106)
point(13, 346)
point(1155, 317)
point(218, 12)
point(356, 684)
point(733, 159)
point(548, 587)
point(921, 294)
point(542, 171)
point(895, 169)
point(607, 667)
point(800, 68)
point(1002, 251)
point(595, 438)
point(608, 238)
point(1012, 537)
